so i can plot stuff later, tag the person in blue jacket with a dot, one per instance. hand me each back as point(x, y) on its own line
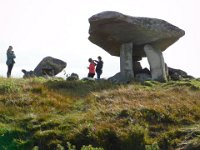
point(10, 60)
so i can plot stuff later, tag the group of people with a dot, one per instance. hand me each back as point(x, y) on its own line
point(95, 66)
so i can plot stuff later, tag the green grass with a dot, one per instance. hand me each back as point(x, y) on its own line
point(57, 114)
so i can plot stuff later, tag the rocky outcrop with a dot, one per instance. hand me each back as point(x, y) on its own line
point(28, 74)
point(178, 74)
point(141, 76)
point(49, 66)
point(73, 77)
point(116, 78)
point(133, 38)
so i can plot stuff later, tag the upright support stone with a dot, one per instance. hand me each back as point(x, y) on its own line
point(156, 62)
point(126, 62)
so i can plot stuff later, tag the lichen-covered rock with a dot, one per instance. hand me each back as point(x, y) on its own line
point(110, 30)
point(73, 77)
point(178, 74)
point(117, 78)
point(49, 66)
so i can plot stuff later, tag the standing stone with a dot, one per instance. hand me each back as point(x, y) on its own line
point(157, 64)
point(126, 67)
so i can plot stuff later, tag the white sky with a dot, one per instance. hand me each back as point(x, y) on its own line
point(59, 28)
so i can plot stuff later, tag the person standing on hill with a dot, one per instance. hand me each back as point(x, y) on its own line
point(99, 66)
point(10, 60)
point(91, 68)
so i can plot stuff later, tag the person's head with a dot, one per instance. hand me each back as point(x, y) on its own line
point(90, 60)
point(99, 57)
point(10, 48)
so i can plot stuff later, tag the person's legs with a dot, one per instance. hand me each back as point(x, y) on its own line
point(91, 75)
point(9, 70)
point(99, 74)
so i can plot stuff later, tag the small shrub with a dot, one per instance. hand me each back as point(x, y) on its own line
point(70, 146)
point(60, 147)
point(35, 148)
point(13, 138)
point(135, 139)
point(154, 146)
point(84, 137)
point(154, 116)
point(37, 90)
point(50, 137)
point(109, 139)
point(124, 113)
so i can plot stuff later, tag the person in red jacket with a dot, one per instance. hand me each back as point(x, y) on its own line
point(91, 68)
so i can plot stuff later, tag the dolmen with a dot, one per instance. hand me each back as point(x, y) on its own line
point(48, 67)
point(131, 39)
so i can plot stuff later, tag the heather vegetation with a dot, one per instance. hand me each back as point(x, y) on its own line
point(41, 114)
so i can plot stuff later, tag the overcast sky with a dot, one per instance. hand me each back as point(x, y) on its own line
point(59, 28)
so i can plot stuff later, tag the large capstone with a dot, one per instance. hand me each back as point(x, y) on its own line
point(110, 30)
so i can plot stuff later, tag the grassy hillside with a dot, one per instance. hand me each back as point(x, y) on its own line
point(54, 114)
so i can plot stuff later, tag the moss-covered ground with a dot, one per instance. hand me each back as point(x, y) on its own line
point(41, 114)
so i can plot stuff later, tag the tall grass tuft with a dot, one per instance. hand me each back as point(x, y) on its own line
point(9, 86)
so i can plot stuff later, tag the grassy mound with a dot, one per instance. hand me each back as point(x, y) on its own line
point(57, 114)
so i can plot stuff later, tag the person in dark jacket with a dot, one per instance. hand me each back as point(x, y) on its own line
point(10, 60)
point(99, 66)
